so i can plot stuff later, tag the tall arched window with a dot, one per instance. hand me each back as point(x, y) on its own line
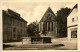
point(52, 26)
point(48, 26)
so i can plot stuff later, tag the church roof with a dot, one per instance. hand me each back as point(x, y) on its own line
point(49, 10)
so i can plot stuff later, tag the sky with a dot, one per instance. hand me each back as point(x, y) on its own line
point(32, 11)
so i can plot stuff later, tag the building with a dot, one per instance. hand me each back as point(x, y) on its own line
point(48, 24)
point(14, 27)
point(72, 23)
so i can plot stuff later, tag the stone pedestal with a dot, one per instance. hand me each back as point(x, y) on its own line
point(39, 40)
point(26, 40)
point(36, 40)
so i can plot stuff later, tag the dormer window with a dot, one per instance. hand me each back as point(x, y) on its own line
point(72, 19)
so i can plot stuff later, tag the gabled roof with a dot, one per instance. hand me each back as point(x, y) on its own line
point(49, 10)
point(13, 14)
point(73, 8)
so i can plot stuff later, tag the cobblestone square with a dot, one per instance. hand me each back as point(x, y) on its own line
point(57, 44)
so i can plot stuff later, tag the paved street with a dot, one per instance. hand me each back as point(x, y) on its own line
point(57, 44)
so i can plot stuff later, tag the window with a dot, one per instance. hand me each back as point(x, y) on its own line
point(72, 19)
point(48, 26)
point(9, 28)
point(14, 35)
point(74, 34)
point(21, 30)
point(14, 29)
point(52, 26)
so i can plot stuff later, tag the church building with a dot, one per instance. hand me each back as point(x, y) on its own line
point(48, 24)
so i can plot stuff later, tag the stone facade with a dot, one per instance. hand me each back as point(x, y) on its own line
point(72, 23)
point(48, 24)
point(14, 27)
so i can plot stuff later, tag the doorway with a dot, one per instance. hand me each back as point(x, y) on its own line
point(74, 34)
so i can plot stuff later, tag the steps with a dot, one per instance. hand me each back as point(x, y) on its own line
point(31, 47)
point(49, 34)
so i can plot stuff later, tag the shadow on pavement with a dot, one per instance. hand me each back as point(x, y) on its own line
point(58, 45)
point(6, 46)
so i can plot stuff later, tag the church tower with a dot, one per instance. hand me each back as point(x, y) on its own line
point(48, 24)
